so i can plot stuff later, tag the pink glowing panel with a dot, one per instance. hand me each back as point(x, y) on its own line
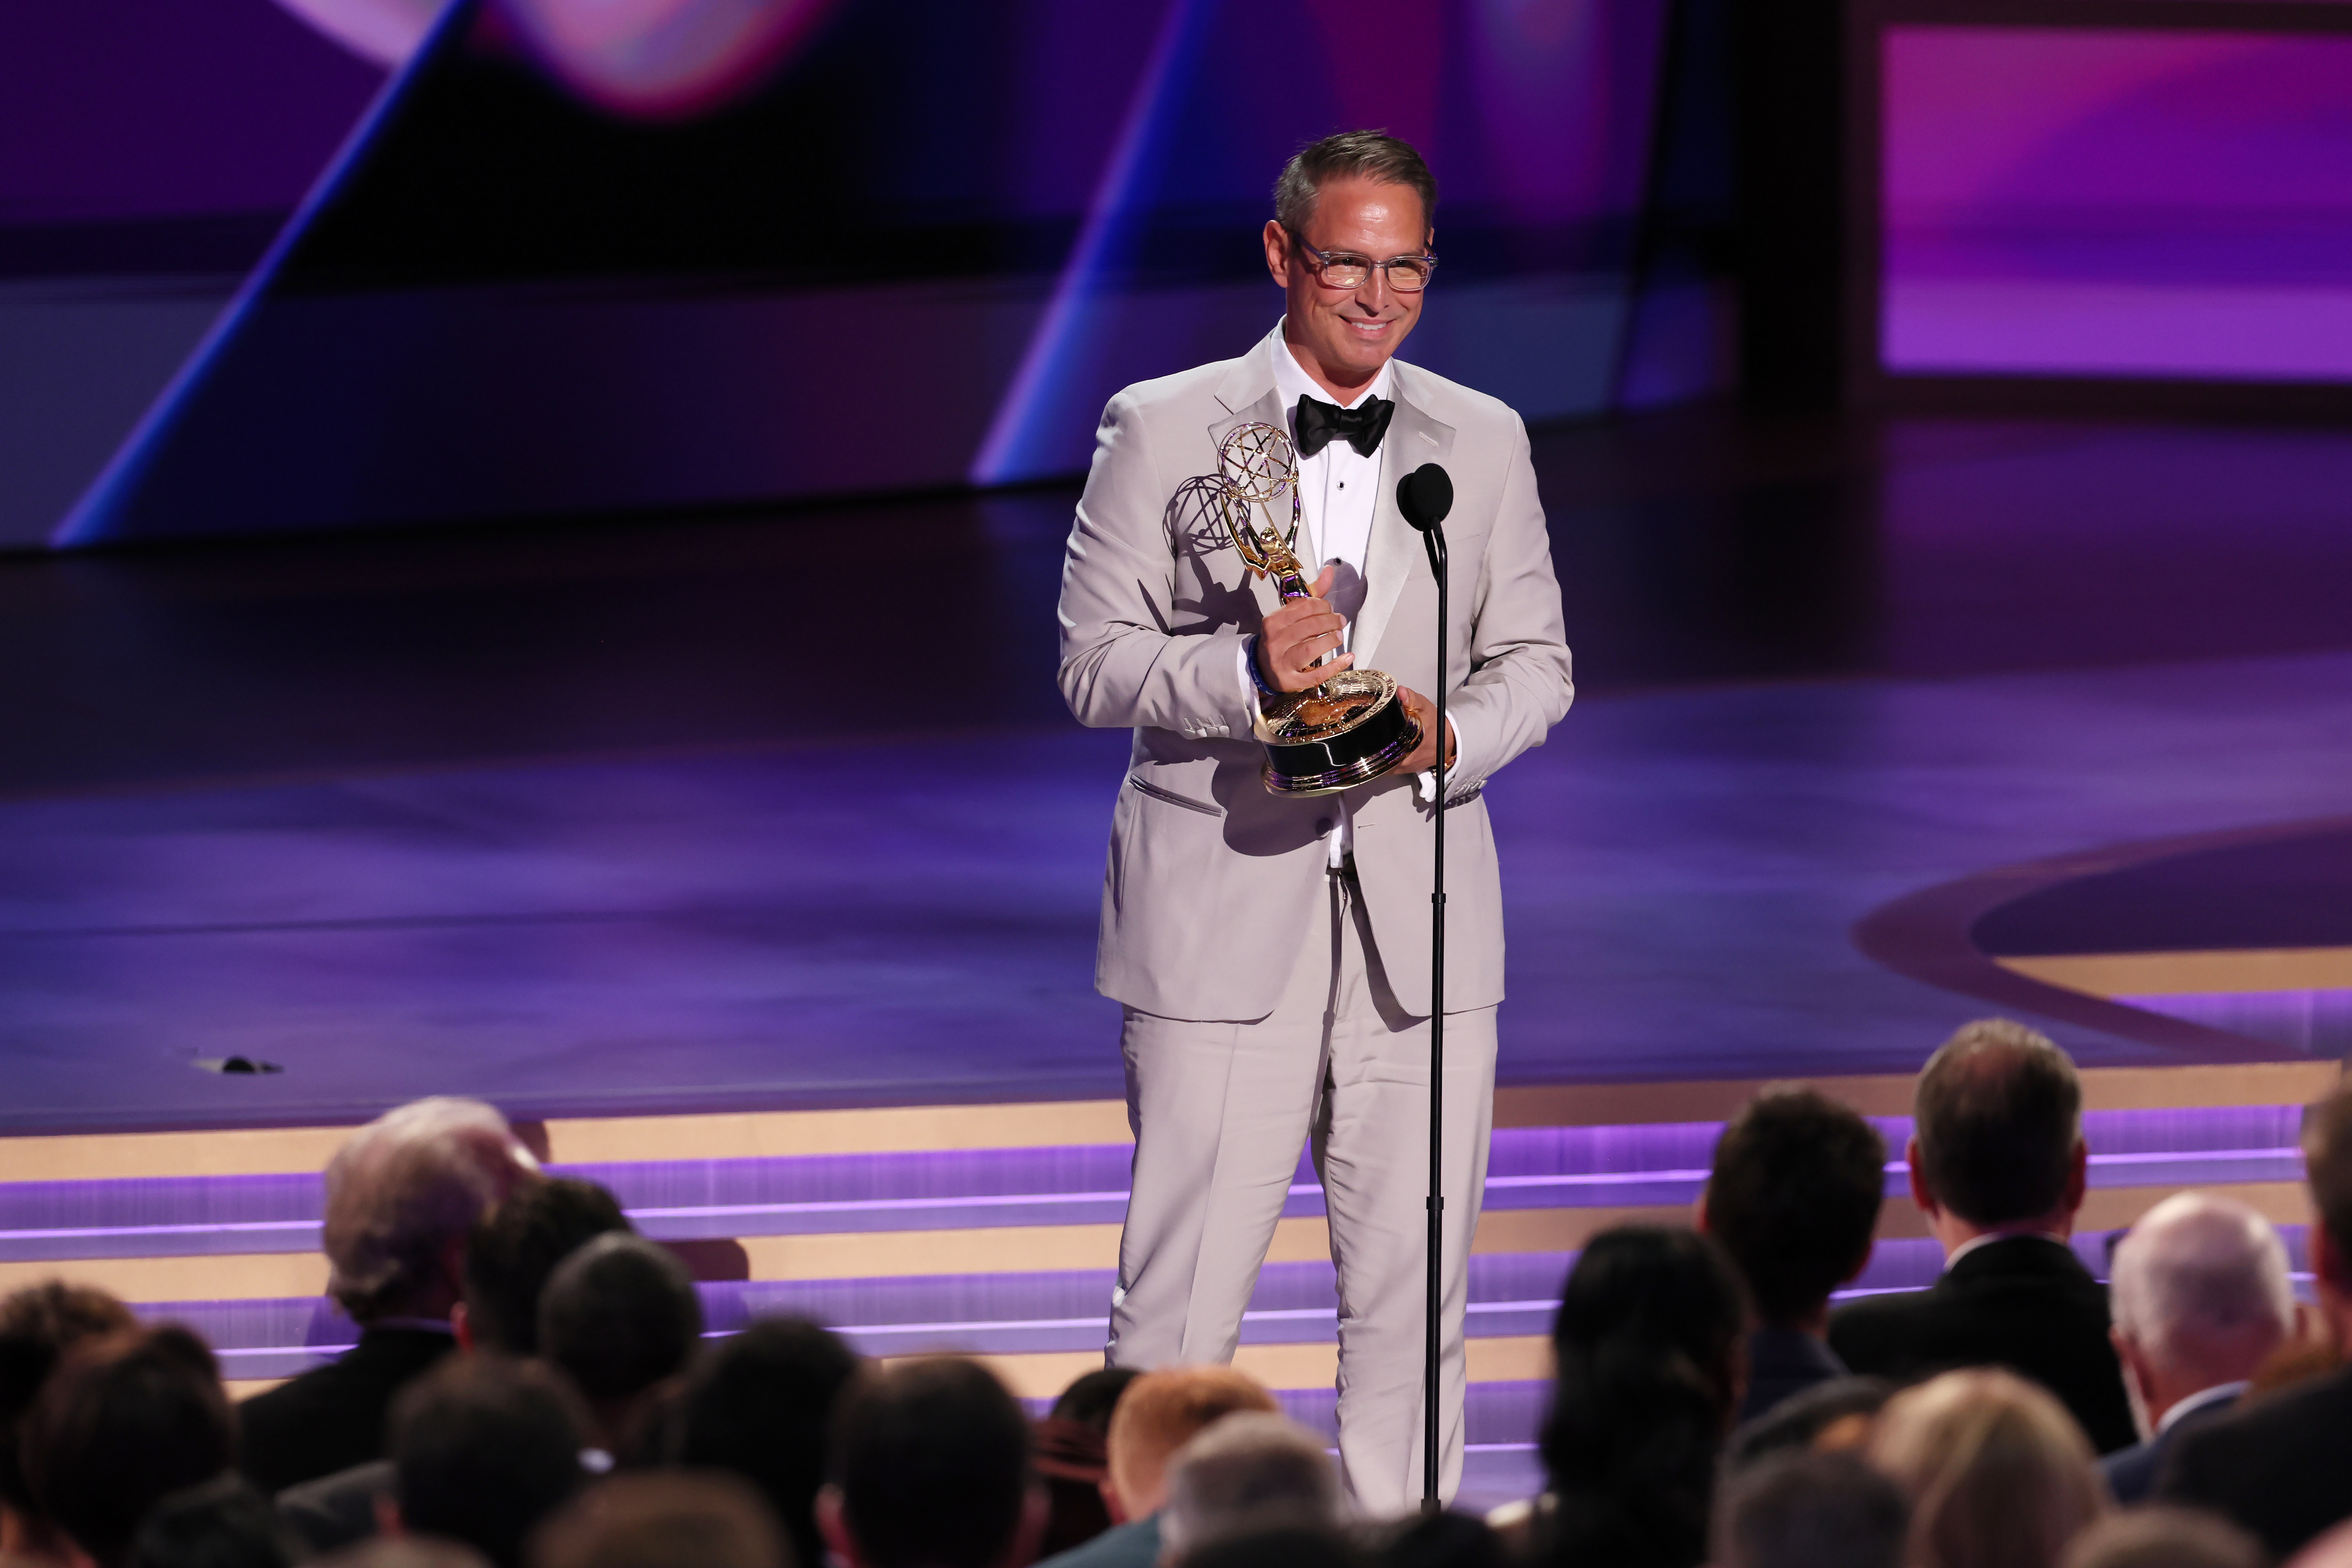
point(662, 58)
point(385, 31)
point(2117, 203)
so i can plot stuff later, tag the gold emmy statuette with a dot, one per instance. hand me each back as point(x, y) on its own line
point(1349, 730)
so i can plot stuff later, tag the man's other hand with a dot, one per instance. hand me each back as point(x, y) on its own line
point(1298, 634)
point(1424, 713)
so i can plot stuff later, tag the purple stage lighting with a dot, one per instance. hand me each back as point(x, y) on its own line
point(2113, 202)
point(661, 59)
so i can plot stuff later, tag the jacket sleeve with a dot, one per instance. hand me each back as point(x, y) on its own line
point(1520, 683)
point(1123, 664)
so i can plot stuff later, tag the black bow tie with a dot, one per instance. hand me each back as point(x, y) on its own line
point(1361, 426)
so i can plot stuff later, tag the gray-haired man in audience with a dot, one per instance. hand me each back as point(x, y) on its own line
point(2200, 1295)
point(403, 1194)
point(1249, 1473)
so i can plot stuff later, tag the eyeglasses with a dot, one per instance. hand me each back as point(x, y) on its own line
point(1346, 270)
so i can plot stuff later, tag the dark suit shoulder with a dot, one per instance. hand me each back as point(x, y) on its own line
point(2283, 1418)
point(2023, 1302)
point(332, 1417)
point(2273, 1464)
point(2131, 1473)
point(1130, 1545)
point(336, 1511)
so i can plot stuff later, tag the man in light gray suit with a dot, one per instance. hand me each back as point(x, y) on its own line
point(1272, 953)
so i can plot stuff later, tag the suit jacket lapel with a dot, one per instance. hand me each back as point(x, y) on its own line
point(1396, 551)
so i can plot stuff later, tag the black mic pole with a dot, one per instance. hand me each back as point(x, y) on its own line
point(1425, 497)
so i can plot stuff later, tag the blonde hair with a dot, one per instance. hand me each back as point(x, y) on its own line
point(1160, 1413)
point(1998, 1474)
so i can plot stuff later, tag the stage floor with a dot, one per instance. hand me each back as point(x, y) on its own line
point(774, 927)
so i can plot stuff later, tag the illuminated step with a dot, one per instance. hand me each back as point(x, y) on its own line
point(1626, 1167)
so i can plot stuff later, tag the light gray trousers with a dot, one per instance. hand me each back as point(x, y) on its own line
point(1219, 1112)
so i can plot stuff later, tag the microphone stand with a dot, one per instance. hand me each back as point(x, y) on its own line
point(1433, 539)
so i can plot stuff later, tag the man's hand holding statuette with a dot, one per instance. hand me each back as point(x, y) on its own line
point(1295, 636)
point(1424, 713)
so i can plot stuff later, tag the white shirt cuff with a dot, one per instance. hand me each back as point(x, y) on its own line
point(1424, 783)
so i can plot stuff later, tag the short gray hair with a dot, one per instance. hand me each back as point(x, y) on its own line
point(406, 1187)
point(2199, 1269)
point(1249, 1472)
point(1372, 155)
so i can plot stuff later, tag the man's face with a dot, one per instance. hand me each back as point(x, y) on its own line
point(1349, 333)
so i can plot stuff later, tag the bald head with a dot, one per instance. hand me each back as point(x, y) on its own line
point(2201, 1296)
point(1159, 1414)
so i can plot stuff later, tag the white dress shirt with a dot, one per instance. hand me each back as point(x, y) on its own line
point(1339, 490)
point(1338, 487)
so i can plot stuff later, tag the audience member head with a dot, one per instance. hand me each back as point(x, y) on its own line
point(1996, 1139)
point(126, 1420)
point(2160, 1537)
point(1797, 1508)
point(1092, 1396)
point(1160, 1413)
point(1249, 1473)
point(483, 1448)
point(1072, 1458)
point(2202, 1297)
point(621, 1318)
point(1297, 1546)
point(2327, 1165)
point(1831, 1416)
point(656, 1520)
point(222, 1523)
point(39, 1325)
point(1794, 1198)
point(760, 1405)
point(1440, 1540)
point(515, 1250)
point(929, 1467)
point(1649, 1347)
point(403, 1552)
point(1998, 1473)
point(403, 1194)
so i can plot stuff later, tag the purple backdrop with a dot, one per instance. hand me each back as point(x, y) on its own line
point(2117, 203)
point(130, 110)
point(1094, 226)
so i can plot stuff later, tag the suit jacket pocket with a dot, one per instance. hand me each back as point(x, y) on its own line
point(1172, 798)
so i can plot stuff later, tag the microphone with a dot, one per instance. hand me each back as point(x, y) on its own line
point(1425, 496)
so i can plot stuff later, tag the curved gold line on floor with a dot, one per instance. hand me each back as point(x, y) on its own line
point(2252, 969)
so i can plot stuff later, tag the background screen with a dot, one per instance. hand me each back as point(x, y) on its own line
point(2071, 201)
point(922, 251)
